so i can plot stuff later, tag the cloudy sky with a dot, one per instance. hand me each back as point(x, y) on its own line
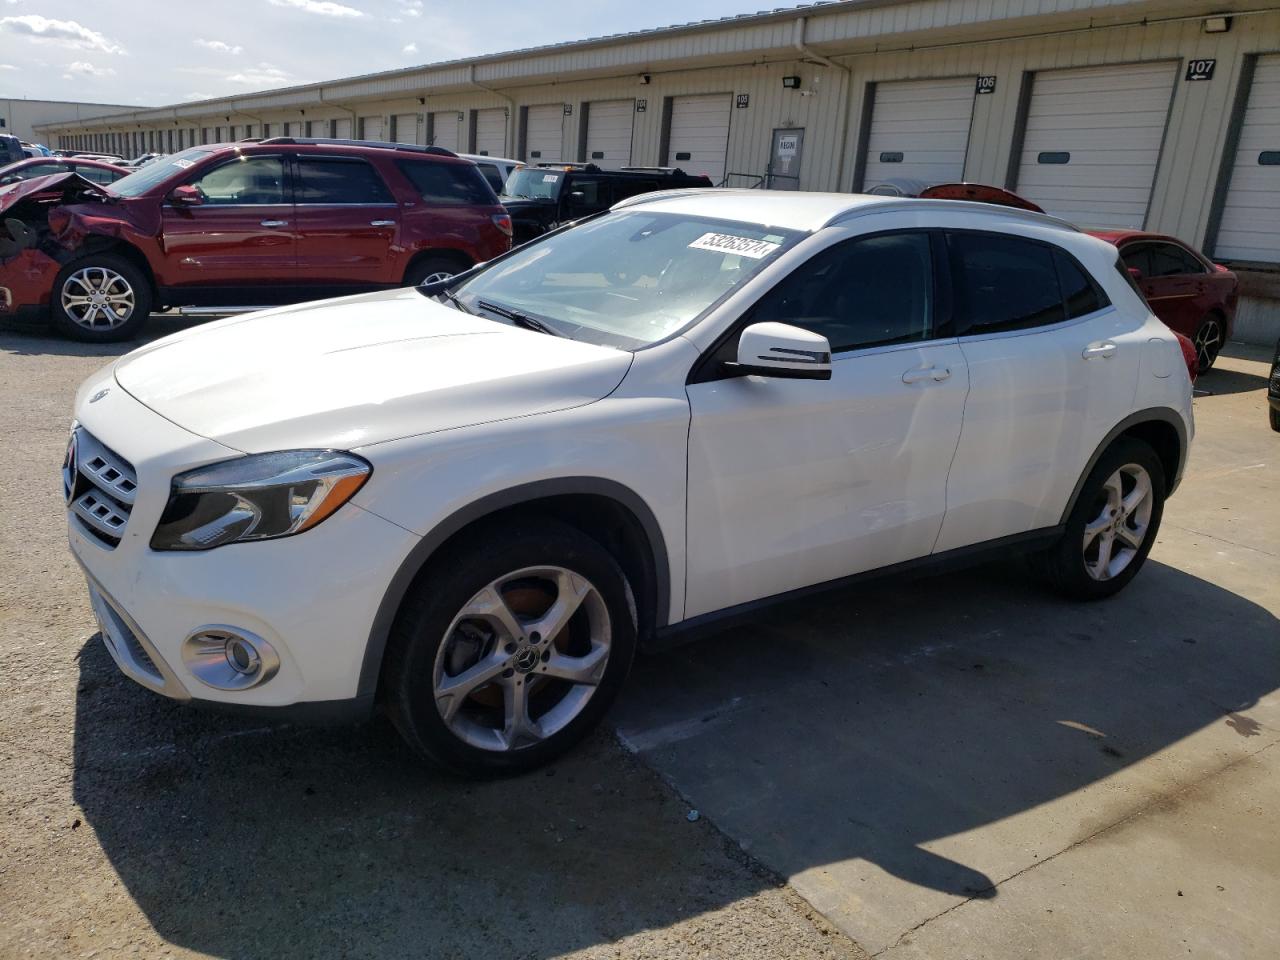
point(156, 52)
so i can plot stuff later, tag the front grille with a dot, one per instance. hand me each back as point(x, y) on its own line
point(100, 486)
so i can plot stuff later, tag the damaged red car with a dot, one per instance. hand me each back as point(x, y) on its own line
point(238, 226)
point(1192, 295)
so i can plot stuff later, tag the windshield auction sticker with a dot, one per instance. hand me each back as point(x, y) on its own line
point(728, 243)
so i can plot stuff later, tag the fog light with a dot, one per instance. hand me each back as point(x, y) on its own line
point(227, 658)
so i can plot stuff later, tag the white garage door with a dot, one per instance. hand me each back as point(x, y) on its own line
point(700, 134)
point(404, 128)
point(544, 133)
point(371, 128)
point(609, 133)
point(1250, 226)
point(1093, 141)
point(919, 132)
point(342, 128)
point(491, 132)
point(444, 130)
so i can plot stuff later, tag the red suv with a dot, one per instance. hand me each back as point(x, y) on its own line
point(247, 224)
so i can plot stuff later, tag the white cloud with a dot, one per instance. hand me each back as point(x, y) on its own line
point(323, 8)
point(410, 48)
point(197, 96)
point(85, 69)
point(7, 66)
point(263, 75)
point(218, 46)
point(65, 33)
point(411, 8)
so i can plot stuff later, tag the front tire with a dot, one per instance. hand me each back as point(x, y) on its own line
point(101, 298)
point(510, 649)
point(1275, 418)
point(1112, 527)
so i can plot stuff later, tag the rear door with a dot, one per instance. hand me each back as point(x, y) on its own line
point(1174, 282)
point(347, 222)
point(242, 233)
point(1052, 367)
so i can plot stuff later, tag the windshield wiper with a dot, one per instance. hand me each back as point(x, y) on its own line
point(452, 298)
point(518, 318)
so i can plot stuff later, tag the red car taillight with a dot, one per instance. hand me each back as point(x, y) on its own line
point(503, 222)
point(1189, 355)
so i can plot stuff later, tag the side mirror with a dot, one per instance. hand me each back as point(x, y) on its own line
point(187, 195)
point(1135, 273)
point(783, 351)
point(577, 196)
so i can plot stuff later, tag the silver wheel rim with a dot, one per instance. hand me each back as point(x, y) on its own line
point(1208, 342)
point(522, 658)
point(1121, 522)
point(98, 298)
point(436, 277)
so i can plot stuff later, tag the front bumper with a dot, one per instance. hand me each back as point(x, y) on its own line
point(312, 597)
point(25, 285)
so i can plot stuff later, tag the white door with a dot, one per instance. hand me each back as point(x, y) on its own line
point(444, 130)
point(1250, 226)
point(404, 128)
point(919, 132)
point(371, 128)
point(1093, 140)
point(609, 133)
point(1052, 369)
point(544, 133)
point(700, 134)
point(342, 128)
point(797, 482)
point(491, 132)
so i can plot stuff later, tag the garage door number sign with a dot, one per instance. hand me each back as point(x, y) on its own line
point(1200, 69)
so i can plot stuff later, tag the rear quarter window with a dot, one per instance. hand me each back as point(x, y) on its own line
point(448, 183)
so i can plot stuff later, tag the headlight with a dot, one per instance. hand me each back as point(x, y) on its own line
point(258, 497)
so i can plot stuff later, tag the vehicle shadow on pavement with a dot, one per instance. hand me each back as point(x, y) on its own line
point(1220, 382)
point(861, 725)
point(872, 724)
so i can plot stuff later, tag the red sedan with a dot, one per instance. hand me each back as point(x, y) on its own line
point(1193, 295)
point(1190, 293)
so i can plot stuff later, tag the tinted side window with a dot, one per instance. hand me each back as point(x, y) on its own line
point(98, 176)
point(491, 174)
point(1079, 293)
point(595, 195)
point(1003, 283)
point(630, 188)
point(1138, 257)
point(336, 180)
point(865, 292)
point(1168, 260)
point(452, 183)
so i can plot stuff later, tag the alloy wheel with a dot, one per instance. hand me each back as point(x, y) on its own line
point(522, 658)
point(1208, 342)
point(435, 277)
point(1121, 522)
point(98, 298)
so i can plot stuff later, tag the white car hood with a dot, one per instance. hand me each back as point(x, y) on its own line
point(360, 370)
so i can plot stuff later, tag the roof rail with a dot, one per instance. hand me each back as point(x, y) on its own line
point(890, 205)
point(381, 144)
point(567, 165)
point(669, 171)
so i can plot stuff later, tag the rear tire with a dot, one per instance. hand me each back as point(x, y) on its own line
point(1275, 418)
point(432, 269)
point(1208, 340)
point(101, 298)
point(510, 648)
point(1112, 526)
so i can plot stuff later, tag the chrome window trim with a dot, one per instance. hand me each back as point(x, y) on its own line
point(1024, 331)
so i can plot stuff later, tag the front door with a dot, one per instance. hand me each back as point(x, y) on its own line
point(784, 159)
point(797, 482)
point(348, 223)
point(241, 235)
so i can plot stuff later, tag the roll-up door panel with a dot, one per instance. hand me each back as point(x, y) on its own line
point(699, 141)
point(919, 132)
point(1250, 225)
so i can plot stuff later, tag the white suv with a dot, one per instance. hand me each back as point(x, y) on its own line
point(469, 502)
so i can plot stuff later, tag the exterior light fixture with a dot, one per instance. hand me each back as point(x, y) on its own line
point(791, 83)
point(1216, 24)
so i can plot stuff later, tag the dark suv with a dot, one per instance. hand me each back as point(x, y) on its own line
point(244, 224)
point(545, 195)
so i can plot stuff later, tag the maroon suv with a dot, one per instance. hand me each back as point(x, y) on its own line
point(246, 224)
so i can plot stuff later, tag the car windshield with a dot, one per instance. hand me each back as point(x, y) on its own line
point(530, 183)
point(144, 178)
point(627, 279)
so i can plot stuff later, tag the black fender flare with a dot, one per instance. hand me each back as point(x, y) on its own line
point(380, 631)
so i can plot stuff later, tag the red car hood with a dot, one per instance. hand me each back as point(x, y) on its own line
point(981, 193)
point(63, 187)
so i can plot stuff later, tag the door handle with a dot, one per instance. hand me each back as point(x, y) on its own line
point(936, 374)
point(1101, 349)
point(382, 223)
point(274, 223)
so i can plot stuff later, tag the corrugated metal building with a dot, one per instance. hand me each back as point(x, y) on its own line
point(1158, 114)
